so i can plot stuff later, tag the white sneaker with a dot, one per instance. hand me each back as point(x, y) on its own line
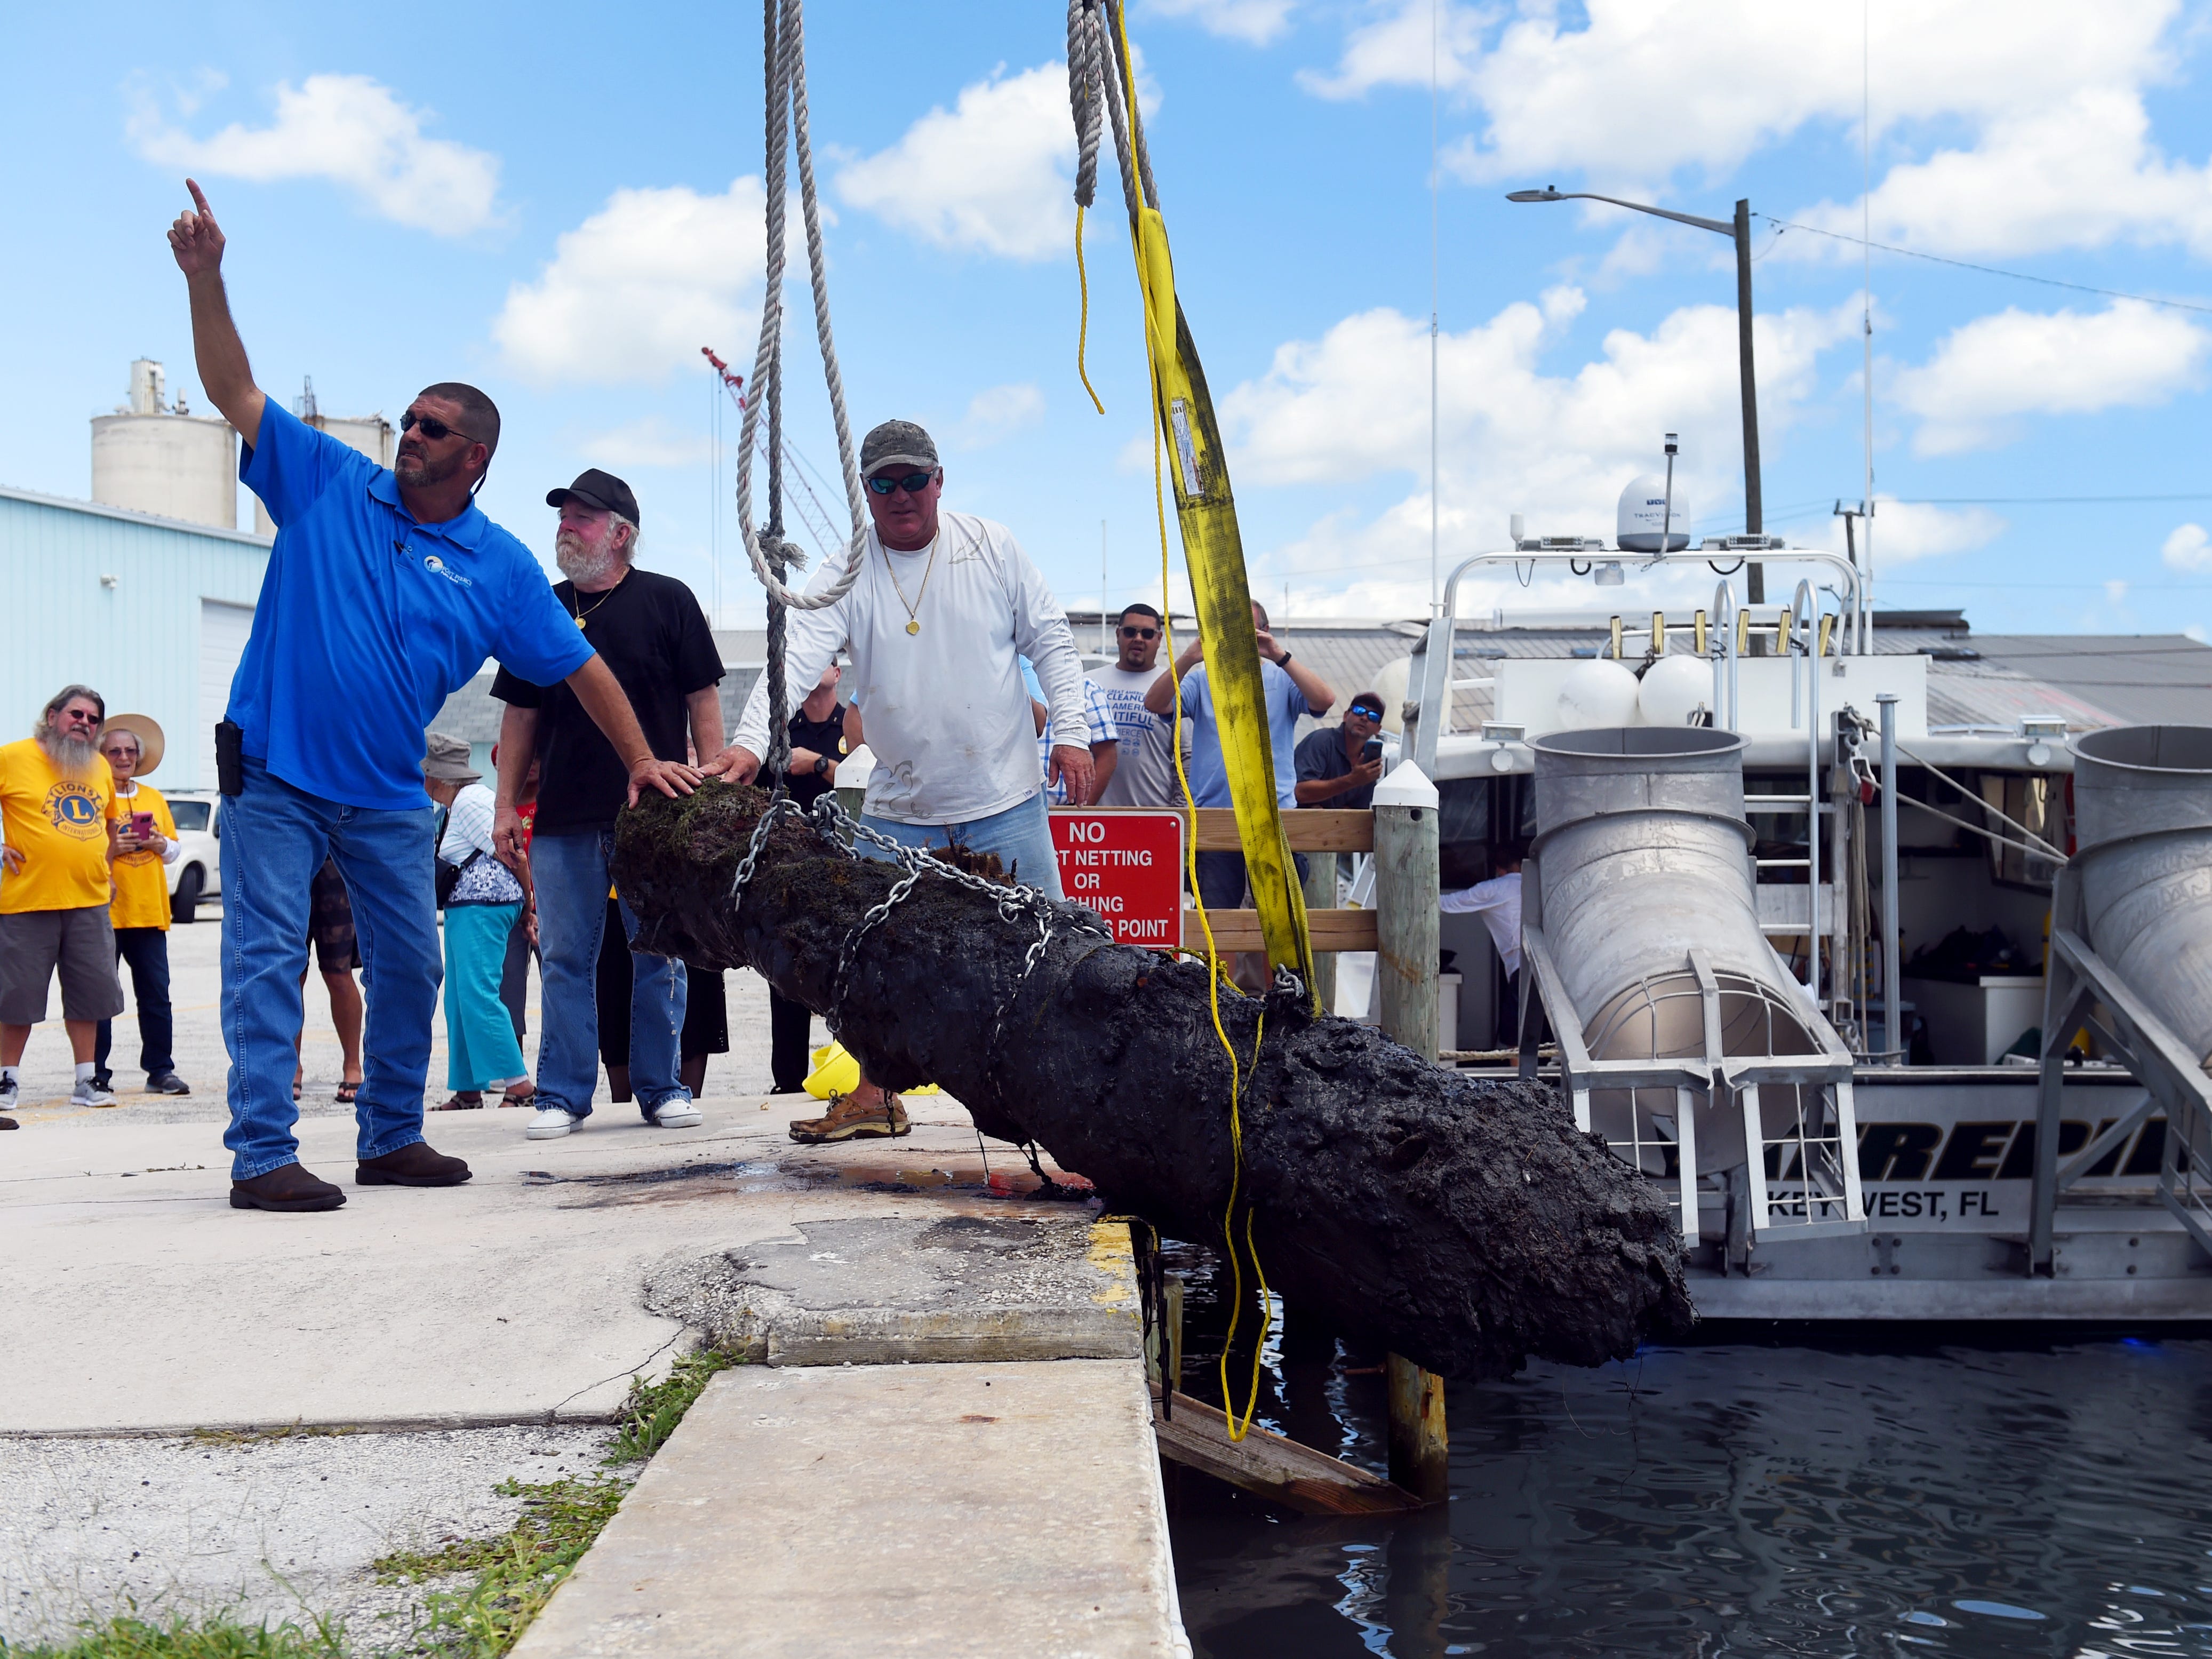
point(677, 1115)
point(89, 1093)
point(10, 1096)
point(551, 1123)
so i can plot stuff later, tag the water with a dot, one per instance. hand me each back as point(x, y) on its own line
point(1857, 1496)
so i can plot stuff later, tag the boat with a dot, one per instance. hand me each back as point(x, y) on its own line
point(1738, 816)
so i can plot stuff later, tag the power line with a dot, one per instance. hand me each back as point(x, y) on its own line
point(1987, 271)
point(2039, 500)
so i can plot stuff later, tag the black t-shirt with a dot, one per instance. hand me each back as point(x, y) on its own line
point(651, 632)
point(823, 738)
point(1321, 757)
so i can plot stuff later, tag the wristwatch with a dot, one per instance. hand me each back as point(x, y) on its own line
point(1283, 661)
point(821, 764)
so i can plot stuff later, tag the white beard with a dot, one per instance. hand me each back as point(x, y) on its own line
point(586, 566)
point(72, 756)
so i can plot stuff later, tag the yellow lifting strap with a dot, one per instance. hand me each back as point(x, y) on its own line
point(1214, 551)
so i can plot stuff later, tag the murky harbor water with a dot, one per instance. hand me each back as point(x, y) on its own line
point(2017, 1496)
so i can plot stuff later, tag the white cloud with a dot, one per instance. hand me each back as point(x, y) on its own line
point(1256, 20)
point(638, 288)
point(2044, 138)
point(991, 174)
point(1355, 405)
point(1906, 531)
point(1985, 374)
point(999, 412)
point(346, 128)
point(649, 442)
point(2188, 550)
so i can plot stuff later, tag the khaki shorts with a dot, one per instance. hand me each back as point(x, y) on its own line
point(81, 943)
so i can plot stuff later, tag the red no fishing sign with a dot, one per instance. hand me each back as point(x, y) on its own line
point(1127, 867)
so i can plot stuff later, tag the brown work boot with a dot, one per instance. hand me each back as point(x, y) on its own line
point(288, 1189)
point(412, 1165)
point(847, 1120)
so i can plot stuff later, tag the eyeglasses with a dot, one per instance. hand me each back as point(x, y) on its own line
point(1365, 712)
point(914, 483)
point(1140, 633)
point(432, 427)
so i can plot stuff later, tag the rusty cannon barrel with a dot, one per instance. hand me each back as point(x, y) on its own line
point(2142, 814)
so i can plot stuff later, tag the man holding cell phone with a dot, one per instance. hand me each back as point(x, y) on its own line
point(146, 845)
point(1338, 767)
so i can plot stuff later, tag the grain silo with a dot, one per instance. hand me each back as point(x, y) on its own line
point(151, 456)
point(369, 434)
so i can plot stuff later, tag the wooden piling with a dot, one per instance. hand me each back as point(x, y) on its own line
point(1406, 921)
point(1320, 894)
point(1420, 1450)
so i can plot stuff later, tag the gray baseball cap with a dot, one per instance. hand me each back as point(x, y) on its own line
point(897, 443)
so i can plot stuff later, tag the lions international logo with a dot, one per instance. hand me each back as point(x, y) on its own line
point(76, 811)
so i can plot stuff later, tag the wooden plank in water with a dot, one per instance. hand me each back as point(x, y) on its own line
point(1272, 1467)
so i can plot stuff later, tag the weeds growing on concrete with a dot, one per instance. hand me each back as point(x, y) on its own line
point(259, 1437)
point(133, 1637)
point(518, 1569)
point(651, 1413)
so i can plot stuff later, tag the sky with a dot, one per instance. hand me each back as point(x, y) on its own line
point(563, 206)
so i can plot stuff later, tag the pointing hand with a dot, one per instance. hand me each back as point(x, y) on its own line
point(196, 239)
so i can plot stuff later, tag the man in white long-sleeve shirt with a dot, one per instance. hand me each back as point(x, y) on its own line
point(944, 609)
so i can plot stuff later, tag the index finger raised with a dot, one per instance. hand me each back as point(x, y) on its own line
point(199, 198)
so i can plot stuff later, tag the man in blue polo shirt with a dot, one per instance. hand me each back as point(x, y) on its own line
point(385, 591)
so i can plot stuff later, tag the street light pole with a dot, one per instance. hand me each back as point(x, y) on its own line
point(1738, 232)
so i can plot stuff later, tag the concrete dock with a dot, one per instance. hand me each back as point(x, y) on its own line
point(873, 1287)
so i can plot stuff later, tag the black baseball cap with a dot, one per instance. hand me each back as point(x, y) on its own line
point(1369, 702)
point(601, 490)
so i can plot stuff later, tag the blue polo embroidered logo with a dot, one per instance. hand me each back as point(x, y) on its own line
point(438, 567)
point(76, 811)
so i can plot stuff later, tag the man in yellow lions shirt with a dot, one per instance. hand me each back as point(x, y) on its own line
point(58, 811)
point(146, 846)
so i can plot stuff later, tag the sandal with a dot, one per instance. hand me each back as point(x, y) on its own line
point(347, 1093)
point(461, 1102)
point(512, 1097)
point(295, 1092)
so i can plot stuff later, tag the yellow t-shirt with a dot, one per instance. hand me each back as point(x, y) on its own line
point(60, 827)
point(142, 880)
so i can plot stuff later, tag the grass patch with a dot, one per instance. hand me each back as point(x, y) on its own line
point(518, 1570)
point(133, 1638)
point(651, 1413)
point(281, 1431)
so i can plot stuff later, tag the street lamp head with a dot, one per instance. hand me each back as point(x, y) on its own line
point(1549, 193)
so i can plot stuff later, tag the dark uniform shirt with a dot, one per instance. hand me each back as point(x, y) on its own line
point(651, 632)
point(1321, 756)
point(824, 737)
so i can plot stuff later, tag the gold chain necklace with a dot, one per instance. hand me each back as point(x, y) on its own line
point(913, 616)
point(580, 615)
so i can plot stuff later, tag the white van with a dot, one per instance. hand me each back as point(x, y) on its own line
point(197, 872)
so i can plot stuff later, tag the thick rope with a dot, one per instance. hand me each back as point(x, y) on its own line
point(1084, 83)
point(786, 72)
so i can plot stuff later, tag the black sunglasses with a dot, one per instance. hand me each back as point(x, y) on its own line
point(1140, 633)
point(914, 483)
point(433, 428)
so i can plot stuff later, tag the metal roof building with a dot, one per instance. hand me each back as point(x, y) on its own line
point(151, 612)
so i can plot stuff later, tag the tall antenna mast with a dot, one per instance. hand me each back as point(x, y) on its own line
point(1435, 573)
point(1866, 249)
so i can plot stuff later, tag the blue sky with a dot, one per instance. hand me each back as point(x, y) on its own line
point(566, 225)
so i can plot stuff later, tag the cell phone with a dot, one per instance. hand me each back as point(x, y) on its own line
point(142, 825)
point(1372, 750)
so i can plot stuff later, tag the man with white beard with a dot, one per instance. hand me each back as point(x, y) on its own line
point(57, 813)
point(649, 630)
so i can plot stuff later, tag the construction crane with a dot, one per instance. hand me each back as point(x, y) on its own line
point(808, 505)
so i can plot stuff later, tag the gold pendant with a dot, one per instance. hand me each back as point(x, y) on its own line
point(913, 626)
point(580, 622)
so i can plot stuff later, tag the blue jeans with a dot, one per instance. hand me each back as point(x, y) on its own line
point(1020, 836)
point(147, 951)
point(274, 838)
point(571, 873)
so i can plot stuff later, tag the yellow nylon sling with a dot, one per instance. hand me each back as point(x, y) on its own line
point(1214, 552)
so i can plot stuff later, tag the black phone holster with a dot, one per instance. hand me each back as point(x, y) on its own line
point(230, 757)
